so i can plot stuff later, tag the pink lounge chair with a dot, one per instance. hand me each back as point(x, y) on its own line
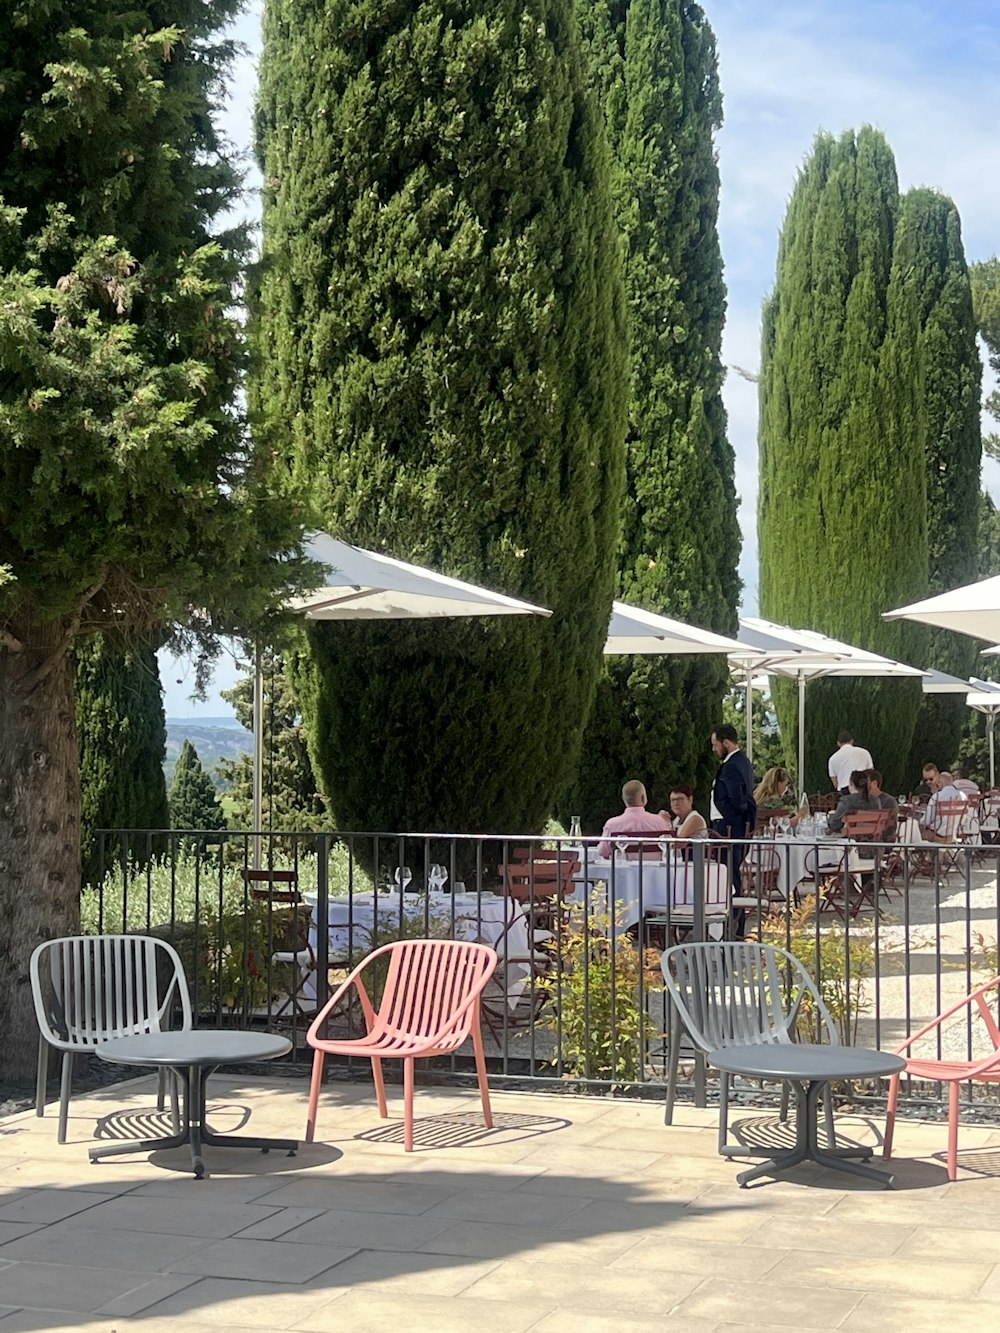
point(952, 1072)
point(429, 1006)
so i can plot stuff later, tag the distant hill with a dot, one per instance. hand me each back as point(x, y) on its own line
point(214, 738)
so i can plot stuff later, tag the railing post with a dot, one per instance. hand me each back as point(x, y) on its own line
point(322, 921)
point(698, 933)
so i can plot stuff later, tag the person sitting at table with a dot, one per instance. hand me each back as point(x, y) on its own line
point(682, 817)
point(885, 802)
point(925, 787)
point(933, 827)
point(634, 820)
point(858, 798)
point(964, 783)
point(774, 791)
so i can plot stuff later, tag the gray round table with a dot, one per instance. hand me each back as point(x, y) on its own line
point(808, 1069)
point(193, 1056)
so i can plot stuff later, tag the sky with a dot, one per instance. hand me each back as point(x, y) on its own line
point(926, 74)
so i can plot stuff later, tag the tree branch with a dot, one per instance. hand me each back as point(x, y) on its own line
point(7, 640)
point(49, 662)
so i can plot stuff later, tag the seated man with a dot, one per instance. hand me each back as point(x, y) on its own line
point(858, 798)
point(635, 820)
point(926, 785)
point(964, 783)
point(932, 824)
point(885, 802)
point(682, 817)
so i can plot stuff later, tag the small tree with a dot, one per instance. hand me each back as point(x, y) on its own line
point(194, 803)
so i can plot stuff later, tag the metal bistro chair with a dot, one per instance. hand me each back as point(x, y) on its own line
point(739, 994)
point(92, 988)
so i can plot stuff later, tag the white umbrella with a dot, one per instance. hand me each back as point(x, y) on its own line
point(633, 630)
point(972, 609)
point(939, 682)
point(362, 585)
point(819, 655)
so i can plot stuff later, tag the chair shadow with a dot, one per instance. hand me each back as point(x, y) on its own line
point(456, 1129)
point(146, 1122)
point(770, 1133)
point(984, 1162)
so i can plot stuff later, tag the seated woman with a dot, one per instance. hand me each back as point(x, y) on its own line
point(682, 817)
point(858, 798)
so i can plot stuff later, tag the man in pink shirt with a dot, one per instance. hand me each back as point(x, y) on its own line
point(636, 820)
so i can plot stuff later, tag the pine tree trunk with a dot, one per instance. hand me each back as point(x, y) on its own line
point(39, 828)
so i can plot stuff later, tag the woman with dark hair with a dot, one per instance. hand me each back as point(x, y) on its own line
point(858, 798)
point(682, 817)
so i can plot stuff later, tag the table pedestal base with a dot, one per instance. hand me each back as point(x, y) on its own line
point(807, 1147)
point(194, 1129)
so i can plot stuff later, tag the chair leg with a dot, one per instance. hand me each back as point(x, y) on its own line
point(723, 1110)
point(484, 1085)
point(408, 1104)
point(890, 1115)
point(314, 1087)
point(161, 1088)
point(783, 1111)
point(175, 1108)
point(65, 1084)
point(674, 1058)
point(383, 1109)
point(42, 1076)
point(953, 1090)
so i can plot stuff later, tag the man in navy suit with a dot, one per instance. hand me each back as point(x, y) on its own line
point(734, 812)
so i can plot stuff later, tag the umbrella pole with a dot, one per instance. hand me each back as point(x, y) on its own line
point(990, 724)
point(802, 732)
point(749, 714)
point(258, 754)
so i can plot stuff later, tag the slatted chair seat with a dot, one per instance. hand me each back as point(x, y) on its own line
point(430, 1005)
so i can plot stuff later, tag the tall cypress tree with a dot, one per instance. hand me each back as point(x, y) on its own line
point(933, 269)
point(122, 734)
point(654, 66)
point(441, 347)
point(843, 507)
point(194, 803)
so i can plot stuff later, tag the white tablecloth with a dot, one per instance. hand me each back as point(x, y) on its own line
point(795, 862)
point(648, 886)
point(489, 918)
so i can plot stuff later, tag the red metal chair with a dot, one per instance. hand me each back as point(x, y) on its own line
point(952, 1072)
point(429, 1006)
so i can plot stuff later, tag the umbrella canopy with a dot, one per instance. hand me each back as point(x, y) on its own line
point(939, 682)
point(635, 630)
point(818, 655)
point(972, 609)
point(363, 585)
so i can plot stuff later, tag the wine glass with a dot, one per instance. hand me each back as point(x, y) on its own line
point(437, 876)
point(402, 875)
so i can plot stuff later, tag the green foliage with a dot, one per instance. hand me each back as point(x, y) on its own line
point(986, 303)
point(840, 964)
point(653, 64)
point(122, 737)
point(193, 800)
point(932, 258)
point(292, 802)
point(768, 746)
point(843, 495)
point(440, 359)
point(596, 1008)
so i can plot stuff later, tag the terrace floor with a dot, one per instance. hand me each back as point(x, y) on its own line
point(572, 1214)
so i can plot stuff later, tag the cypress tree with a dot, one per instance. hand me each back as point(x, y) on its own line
point(842, 502)
point(194, 803)
point(653, 63)
point(986, 306)
point(936, 276)
point(122, 736)
point(440, 359)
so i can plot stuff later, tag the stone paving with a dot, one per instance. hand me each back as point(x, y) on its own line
point(573, 1214)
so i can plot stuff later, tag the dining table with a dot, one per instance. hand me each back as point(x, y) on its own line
point(650, 883)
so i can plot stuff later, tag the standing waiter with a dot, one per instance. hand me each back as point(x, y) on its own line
point(734, 812)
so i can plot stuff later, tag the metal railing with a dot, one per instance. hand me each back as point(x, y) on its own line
point(891, 934)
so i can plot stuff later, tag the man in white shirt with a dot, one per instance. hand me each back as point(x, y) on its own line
point(846, 759)
point(935, 827)
point(964, 783)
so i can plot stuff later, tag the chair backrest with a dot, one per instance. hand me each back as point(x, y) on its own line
point(536, 855)
point(427, 984)
point(646, 849)
point(866, 825)
point(767, 820)
point(823, 801)
point(90, 988)
point(546, 879)
point(948, 818)
point(682, 884)
point(261, 885)
point(740, 994)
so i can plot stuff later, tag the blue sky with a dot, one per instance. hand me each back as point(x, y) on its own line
point(927, 74)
